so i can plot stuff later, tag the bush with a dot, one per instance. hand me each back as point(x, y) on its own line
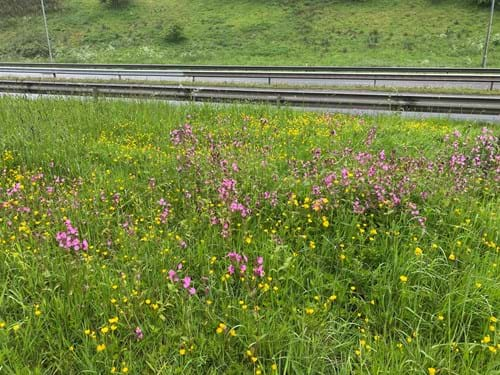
point(483, 2)
point(373, 39)
point(116, 3)
point(175, 34)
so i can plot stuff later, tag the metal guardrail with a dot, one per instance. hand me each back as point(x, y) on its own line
point(393, 79)
point(461, 104)
point(288, 68)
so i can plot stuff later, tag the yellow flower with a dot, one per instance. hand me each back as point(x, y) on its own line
point(113, 320)
point(101, 347)
point(220, 328)
point(432, 371)
point(486, 339)
point(452, 257)
point(104, 330)
point(2, 325)
point(309, 311)
point(440, 317)
point(403, 278)
point(124, 370)
point(274, 367)
point(232, 332)
point(418, 251)
point(332, 298)
point(16, 327)
point(493, 319)
point(182, 351)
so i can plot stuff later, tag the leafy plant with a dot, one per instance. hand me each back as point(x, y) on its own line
point(373, 38)
point(175, 34)
point(115, 3)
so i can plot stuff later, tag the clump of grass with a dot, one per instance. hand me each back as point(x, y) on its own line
point(175, 34)
point(143, 237)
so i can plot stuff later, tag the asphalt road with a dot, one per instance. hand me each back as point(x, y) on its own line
point(342, 79)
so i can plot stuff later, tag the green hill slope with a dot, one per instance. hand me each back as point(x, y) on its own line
point(342, 32)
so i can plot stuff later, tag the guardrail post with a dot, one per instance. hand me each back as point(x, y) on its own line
point(491, 86)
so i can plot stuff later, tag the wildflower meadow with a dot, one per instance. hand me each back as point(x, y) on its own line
point(148, 238)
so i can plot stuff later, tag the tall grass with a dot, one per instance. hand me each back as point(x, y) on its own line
point(149, 238)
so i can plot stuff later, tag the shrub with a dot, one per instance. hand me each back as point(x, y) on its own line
point(373, 38)
point(115, 3)
point(483, 2)
point(175, 34)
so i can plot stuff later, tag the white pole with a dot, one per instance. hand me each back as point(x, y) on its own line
point(46, 30)
point(488, 34)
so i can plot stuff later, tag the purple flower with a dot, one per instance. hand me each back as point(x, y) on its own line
point(172, 275)
point(139, 335)
point(186, 282)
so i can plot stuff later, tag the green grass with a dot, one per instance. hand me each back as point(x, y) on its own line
point(279, 32)
point(333, 298)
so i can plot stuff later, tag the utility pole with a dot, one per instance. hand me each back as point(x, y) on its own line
point(488, 34)
point(46, 30)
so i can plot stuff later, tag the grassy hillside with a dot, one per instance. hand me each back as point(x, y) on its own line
point(374, 32)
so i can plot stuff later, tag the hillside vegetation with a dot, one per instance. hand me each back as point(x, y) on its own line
point(372, 32)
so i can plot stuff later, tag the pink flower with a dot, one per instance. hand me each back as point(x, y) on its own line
point(258, 271)
point(186, 282)
point(172, 275)
point(139, 335)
